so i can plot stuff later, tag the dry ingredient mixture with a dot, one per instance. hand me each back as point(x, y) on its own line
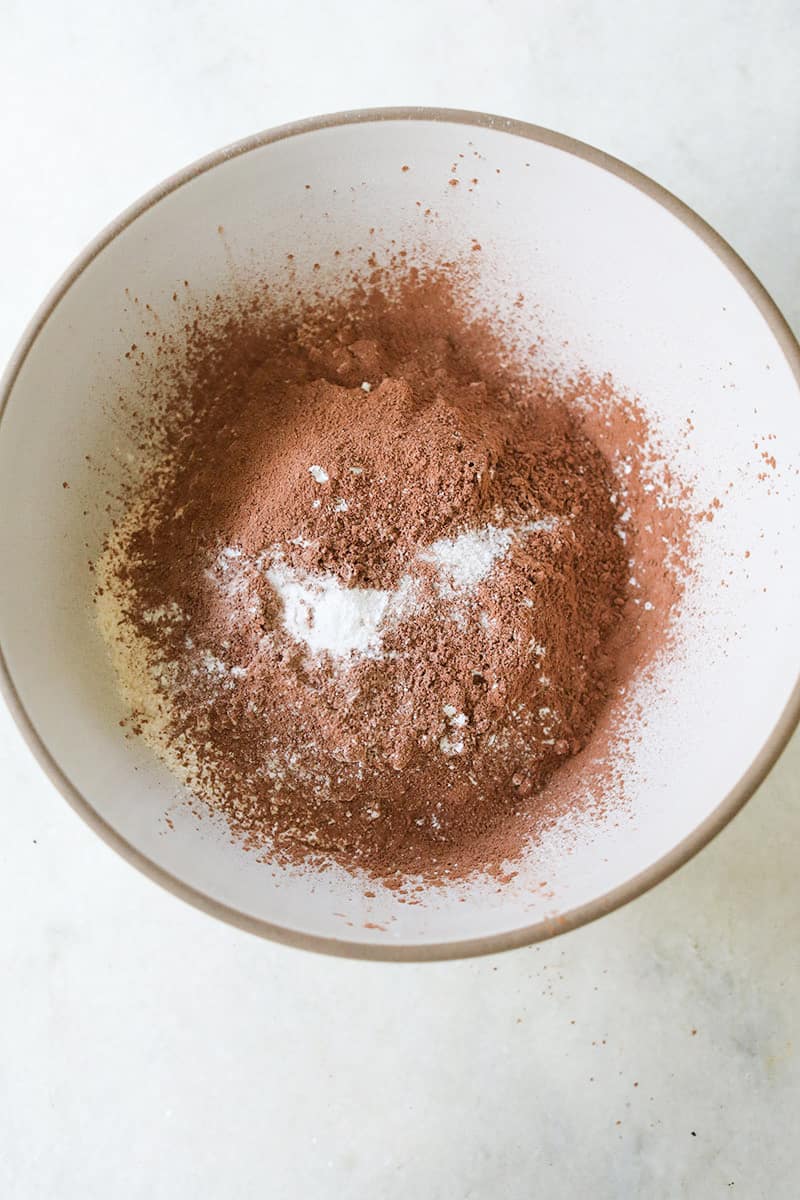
point(378, 587)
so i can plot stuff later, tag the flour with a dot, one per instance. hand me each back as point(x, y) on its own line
point(327, 617)
point(453, 741)
point(465, 561)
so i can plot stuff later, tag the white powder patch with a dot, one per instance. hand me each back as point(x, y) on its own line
point(333, 619)
point(227, 572)
point(220, 671)
point(319, 474)
point(465, 561)
point(326, 616)
point(457, 719)
point(165, 614)
point(453, 742)
point(214, 665)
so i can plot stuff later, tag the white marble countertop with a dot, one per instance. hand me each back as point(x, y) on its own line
point(148, 1051)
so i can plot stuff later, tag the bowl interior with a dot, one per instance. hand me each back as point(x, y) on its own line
point(614, 279)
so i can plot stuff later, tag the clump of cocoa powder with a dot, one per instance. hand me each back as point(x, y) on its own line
point(378, 586)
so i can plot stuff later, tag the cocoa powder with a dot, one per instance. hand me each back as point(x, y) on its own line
point(379, 585)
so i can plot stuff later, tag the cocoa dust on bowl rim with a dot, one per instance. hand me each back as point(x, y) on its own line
point(569, 250)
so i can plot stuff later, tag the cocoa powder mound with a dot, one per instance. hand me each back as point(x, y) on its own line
point(378, 586)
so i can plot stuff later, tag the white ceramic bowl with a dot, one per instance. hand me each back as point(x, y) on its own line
point(626, 279)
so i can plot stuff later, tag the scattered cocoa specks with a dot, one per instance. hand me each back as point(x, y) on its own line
point(236, 368)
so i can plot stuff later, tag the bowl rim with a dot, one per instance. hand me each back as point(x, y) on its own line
point(541, 930)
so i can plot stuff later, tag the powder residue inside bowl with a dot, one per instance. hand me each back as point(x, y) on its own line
point(379, 587)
